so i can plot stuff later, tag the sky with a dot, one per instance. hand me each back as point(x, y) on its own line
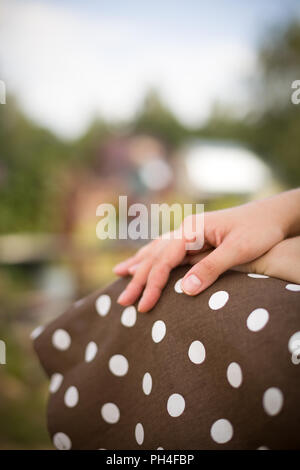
point(67, 61)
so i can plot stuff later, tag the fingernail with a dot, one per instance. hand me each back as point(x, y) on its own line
point(121, 297)
point(191, 285)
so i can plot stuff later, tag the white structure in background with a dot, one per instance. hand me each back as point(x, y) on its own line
point(211, 169)
point(2, 92)
point(156, 174)
point(148, 156)
point(2, 352)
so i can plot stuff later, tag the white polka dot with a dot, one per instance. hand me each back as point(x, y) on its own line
point(158, 331)
point(294, 342)
point(234, 375)
point(128, 317)
point(258, 276)
point(257, 319)
point(175, 405)
point(62, 441)
point(196, 352)
point(139, 434)
point(110, 413)
point(55, 382)
point(293, 287)
point(37, 332)
point(90, 351)
point(61, 339)
point(178, 287)
point(71, 397)
point(272, 401)
point(160, 448)
point(118, 365)
point(147, 383)
point(218, 299)
point(103, 304)
point(263, 448)
point(221, 431)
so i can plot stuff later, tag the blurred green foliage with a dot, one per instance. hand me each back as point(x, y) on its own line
point(23, 394)
point(33, 161)
point(29, 180)
point(272, 128)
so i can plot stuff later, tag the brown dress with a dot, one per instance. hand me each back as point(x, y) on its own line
point(216, 371)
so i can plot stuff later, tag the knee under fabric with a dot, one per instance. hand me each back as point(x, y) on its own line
point(216, 371)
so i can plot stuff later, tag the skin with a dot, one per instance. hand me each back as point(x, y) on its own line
point(243, 237)
point(282, 261)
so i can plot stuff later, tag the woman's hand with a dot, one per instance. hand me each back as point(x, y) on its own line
point(232, 237)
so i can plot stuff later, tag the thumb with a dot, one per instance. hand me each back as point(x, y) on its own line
point(206, 271)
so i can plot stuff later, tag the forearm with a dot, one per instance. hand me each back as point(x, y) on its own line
point(282, 261)
point(285, 208)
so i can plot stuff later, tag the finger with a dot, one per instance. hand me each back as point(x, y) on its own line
point(206, 271)
point(172, 254)
point(133, 268)
point(122, 269)
point(136, 285)
point(157, 279)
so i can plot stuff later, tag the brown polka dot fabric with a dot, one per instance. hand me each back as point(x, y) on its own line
point(216, 371)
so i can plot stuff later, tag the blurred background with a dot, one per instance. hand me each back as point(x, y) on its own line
point(186, 101)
